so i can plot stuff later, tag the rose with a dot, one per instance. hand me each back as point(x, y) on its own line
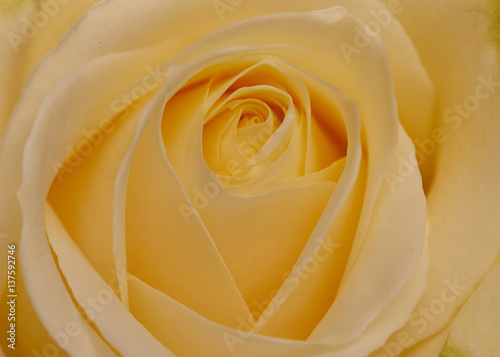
point(338, 280)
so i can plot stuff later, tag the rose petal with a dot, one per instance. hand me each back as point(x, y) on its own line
point(31, 30)
point(84, 189)
point(167, 245)
point(189, 334)
point(463, 202)
point(432, 346)
point(12, 71)
point(97, 298)
point(34, 171)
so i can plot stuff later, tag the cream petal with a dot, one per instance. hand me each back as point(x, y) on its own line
point(378, 144)
point(463, 201)
point(378, 136)
point(351, 169)
point(96, 297)
point(72, 52)
point(409, 75)
point(40, 256)
point(55, 151)
point(275, 159)
point(331, 173)
point(394, 237)
point(27, 44)
point(318, 277)
point(213, 129)
point(35, 171)
point(53, 304)
point(257, 250)
point(32, 29)
point(84, 190)
point(168, 245)
point(82, 48)
point(180, 75)
point(431, 346)
point(198, 176)
point(396, 313)
point(310, 287)
point(29, 329)
point(117, 72)
point(12, 71)
point(189, 334)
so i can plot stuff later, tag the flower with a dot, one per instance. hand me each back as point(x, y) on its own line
point(217, 178)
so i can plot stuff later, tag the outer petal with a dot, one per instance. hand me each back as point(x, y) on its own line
point(429, 347)
point(97, 299)
point(12, 73)
point(30, 29)
point(464, 199)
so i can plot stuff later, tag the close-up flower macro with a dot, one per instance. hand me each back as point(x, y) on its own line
point(250, 178)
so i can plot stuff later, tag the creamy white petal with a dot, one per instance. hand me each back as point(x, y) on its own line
point(97, 298)
point(188, 334)
point(463, 201)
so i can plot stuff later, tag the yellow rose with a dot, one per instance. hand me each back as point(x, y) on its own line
point(245, 178)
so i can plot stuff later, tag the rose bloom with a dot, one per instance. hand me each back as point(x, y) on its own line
point(246, 177)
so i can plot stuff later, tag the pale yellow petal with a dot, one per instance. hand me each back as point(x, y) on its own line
point(54, 305)
point(35, 163)
point(96, 297)
point(83, 190)
point(12, 69)
point(256, 249)
point(464, 199)
point(31, 335)
point(168, 245)
point(395, 235)
point(188, 334)
point(428, 347)
point(30, 29)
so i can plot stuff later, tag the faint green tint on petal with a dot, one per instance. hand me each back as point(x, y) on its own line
point(450, 351)
point(494, 17)
point(7, 5)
